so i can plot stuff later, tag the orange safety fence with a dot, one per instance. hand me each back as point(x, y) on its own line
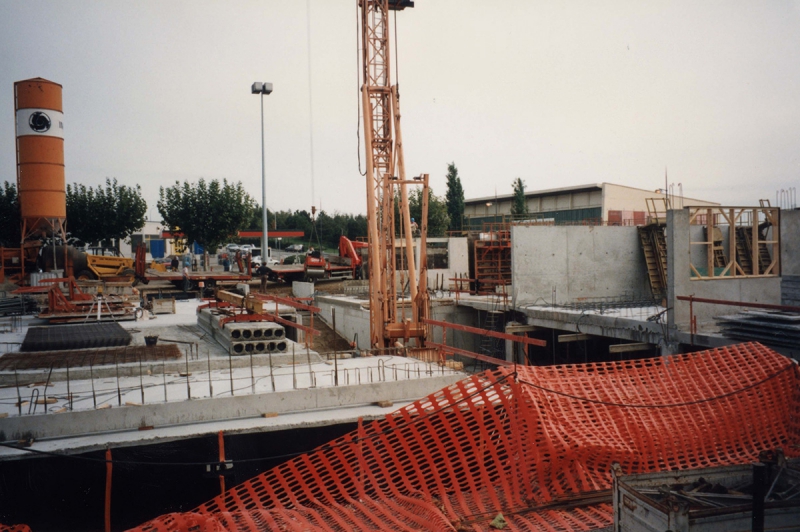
point(535, 443)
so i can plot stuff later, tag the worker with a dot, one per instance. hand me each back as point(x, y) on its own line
point(186, 282)
point(187, 258)
point(226, 263)
point(263, 271)
point(414, 227)
point(174, 263)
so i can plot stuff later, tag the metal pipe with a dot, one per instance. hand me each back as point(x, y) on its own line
point(252, 376)
point(69, 393)
point(265, 230)
point(335, 355)
point(772, 487)
point(310, 371)
point(230, 373)
point(91, 378)
point(188, 386)
point(759, 481)
point(210, 386)
point(164, 375)
point(119, 392)
point(46, 384)
point(19, 397)
point(485, 332)
point(271, 375)
point(141, 382)
point(767, 306)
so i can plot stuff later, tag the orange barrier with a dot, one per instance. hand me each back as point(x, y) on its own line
point(536, 444)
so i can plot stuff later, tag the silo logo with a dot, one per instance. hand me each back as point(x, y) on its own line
point(39, 122)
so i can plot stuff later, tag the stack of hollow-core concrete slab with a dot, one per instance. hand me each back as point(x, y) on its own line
point(243, 338)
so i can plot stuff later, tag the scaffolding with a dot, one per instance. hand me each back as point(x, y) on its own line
point(492, 253)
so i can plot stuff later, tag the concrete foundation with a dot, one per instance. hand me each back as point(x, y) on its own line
point(217, 409)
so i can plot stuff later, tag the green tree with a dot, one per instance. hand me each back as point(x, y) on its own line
point(112, 213)
point(438, 219)
point(206, 213)
point(356, 226)
point(454, 197)
point(10, 230)
point(519, 206)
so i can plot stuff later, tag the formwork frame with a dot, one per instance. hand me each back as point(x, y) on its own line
point(747, 229)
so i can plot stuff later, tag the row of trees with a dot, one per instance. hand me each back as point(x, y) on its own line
point(102, 215)
point(210, 212)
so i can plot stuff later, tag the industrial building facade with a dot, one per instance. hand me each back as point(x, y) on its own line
point(593, 204)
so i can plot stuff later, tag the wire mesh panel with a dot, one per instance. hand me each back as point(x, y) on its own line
point(535, 443)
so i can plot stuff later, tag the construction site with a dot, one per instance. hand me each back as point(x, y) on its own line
point(619, 359)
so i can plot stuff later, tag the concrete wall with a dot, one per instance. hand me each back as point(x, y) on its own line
point(578, 261)
point(790, 257)
point(457, 255)
point(458, 261)
point(680, 282)
point(352, 319)
point(790, 242)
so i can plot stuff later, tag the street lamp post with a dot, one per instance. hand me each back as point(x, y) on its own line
point(262, 89)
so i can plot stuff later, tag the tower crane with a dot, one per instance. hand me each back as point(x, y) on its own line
point(385, 177)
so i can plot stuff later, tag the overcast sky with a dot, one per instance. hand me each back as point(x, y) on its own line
point(557, 93)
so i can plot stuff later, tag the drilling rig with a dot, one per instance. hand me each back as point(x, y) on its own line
point(386, 181)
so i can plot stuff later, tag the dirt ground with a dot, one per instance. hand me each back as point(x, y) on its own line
point(327, 341)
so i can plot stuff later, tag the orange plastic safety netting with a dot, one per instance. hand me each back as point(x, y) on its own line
point(535, 443)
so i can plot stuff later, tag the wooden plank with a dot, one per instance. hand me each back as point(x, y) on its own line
point(562, 338)
point(627, 348)
point(513, 329)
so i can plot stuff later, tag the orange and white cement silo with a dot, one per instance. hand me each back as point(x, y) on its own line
point(40, 157)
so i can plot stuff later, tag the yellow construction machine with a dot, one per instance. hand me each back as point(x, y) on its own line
point(92, 264)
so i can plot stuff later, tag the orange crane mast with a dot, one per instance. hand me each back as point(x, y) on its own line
point(386, 179)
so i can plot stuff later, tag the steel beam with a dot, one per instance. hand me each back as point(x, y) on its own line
point(470, 354)
point(485, 332)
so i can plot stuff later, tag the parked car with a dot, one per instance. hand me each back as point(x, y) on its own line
point(255, 261)
point(295, 248)
point(229, 251)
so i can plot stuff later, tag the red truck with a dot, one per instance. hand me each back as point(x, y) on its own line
point(347, 265)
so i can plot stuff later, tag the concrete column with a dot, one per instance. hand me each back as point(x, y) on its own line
point(678, 271)
point(790, 242)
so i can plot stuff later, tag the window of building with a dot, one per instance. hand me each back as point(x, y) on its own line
point(438, 256)
point(138, 239)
